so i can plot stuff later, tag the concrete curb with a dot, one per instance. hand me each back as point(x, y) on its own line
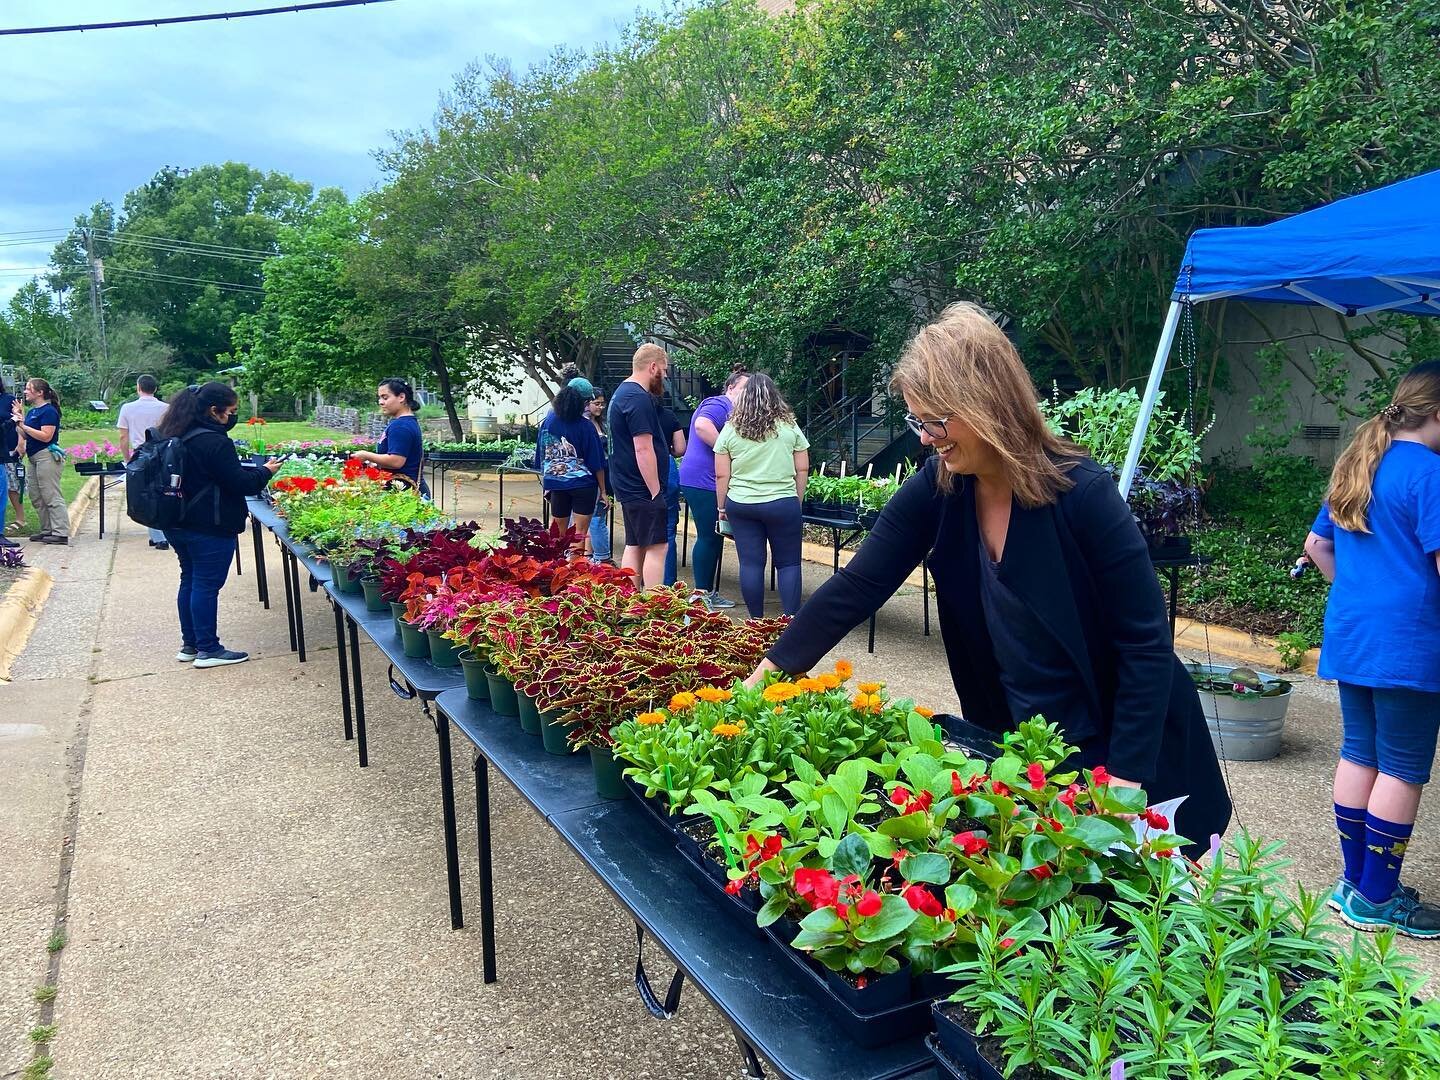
point(19, 611)
point(80, 505)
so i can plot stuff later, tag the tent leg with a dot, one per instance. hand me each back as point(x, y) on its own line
point(1152, 391)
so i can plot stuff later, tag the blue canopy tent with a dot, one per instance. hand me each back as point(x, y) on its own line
point(1379, 251)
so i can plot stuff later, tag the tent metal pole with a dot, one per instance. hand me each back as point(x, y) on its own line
point(1147, 403)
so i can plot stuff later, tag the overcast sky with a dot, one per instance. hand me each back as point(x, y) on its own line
point(93, 115)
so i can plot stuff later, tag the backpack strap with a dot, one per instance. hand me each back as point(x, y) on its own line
point(212, 487)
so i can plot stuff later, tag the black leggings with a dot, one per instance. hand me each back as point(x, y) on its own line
point(753, 524)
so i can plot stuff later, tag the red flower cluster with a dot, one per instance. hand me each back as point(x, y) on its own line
point(355, 469)
point(971, 844)
point(755, 854)
point(1035, 773)
point(1099, 777)
point(1155, 820)
point(973, 786)
point(922, 900)
point(822, 890)
point(910, 803)
point(302, 484)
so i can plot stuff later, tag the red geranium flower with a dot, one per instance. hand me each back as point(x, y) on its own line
point(922, 900)
point(1035, 773)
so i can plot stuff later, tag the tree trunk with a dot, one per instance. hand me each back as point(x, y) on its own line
point(447, 393)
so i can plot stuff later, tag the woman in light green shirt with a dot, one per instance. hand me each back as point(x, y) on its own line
point(762, 461)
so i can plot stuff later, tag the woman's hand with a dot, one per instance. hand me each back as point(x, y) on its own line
point(273, 465)
point(760, 672)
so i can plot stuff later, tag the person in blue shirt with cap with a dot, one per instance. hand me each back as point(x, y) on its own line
point(1377, 538)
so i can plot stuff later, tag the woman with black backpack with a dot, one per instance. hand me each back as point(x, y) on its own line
point(216, 485)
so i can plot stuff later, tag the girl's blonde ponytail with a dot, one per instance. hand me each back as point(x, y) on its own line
point(1416, 399)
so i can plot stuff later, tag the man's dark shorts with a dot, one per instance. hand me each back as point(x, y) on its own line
point(645, 522)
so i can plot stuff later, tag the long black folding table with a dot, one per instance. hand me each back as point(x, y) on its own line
point(292, 557)
point(774, 1010)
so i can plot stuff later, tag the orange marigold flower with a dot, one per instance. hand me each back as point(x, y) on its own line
point(727, 731)
point(649, 718)
point(712, 694)
point(808, 685)
point(923, 711)
point(780, 691)
point(870, 687)
point(829, 681)
point(844, 669)
point(682, 701)
point(867, 701)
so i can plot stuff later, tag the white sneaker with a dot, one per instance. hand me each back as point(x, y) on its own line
point(224, 658)
point(186, 655)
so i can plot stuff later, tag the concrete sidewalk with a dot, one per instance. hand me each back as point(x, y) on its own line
point(245, 902)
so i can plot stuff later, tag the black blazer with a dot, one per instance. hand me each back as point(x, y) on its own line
point(1082, 566)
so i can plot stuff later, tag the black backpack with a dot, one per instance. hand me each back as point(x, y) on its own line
point(155, 494)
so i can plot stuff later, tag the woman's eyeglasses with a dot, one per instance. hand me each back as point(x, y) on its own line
point(934, 428)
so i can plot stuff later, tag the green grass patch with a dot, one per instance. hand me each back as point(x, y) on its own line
point(46, 994)
point(39, 1068)
point(43, 1033)
point(56, 942)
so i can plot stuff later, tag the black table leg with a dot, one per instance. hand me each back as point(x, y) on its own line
point(1174, 572)
point(872, 634)
point(835, 539)
point(101, 478)
point(344, 670)
point(359, 692)
point(262, 583)
point(925, 592)
point(447, 813)
point(290, 600)
point(299, 613)
point(238, 571)
point(487, 883)
point(501, 497)
point(753, 1069)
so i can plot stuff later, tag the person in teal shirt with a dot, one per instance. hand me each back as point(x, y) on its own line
point(762, 463)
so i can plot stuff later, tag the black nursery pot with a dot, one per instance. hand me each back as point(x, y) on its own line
point(959, 1043)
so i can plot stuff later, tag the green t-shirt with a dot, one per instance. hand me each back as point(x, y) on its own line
point(762, 471)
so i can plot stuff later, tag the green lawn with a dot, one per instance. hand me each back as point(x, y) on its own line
point(71, 482)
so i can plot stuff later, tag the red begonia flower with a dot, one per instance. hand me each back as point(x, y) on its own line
point(869, 904)
point(922, 900)
point(1035, 773)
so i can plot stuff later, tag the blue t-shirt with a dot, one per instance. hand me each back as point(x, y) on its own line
point(402, 436)
point(39, 417)
point(568, 454)
point(1382, 622)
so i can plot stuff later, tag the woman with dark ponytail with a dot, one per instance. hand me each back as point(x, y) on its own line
point(40, 428)
point(1377, 538)
point(402, 450)
point(215, 486)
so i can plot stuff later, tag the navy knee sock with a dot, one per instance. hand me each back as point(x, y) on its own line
point(1350, 822)
point(1384, 851)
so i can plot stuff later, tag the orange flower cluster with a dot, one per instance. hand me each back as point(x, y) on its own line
point(713, 694)
point(650, 718)
point(727, 731)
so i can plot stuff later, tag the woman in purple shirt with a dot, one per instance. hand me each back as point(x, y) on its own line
point(697, 483)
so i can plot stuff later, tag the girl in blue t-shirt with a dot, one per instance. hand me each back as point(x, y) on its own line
point(402, 449)
point(1378, 539)
point(570, 458)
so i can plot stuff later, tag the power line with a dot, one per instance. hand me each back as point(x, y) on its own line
point(111, 234)
point(181, 280)
point(176, 249)
point(171, 20)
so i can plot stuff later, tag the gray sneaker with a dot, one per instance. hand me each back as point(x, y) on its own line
point(715, 602)
point(224, 658)
point(1401, 913)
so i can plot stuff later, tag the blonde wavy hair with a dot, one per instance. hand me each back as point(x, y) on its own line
point(963, 367)
point(1416, 399)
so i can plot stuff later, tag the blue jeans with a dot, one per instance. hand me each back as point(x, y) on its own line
point(600, 534)
point(204, 566)
point(1390, 729)
point(672, 519)
point(705, 555)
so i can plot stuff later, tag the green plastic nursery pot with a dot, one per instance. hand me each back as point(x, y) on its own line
point(608, 782)
point(416, 646)
point(345, 583)
point(398, 610)
point(442, 651)
point(529, 714)
point(373, 600)
point(555, 733)
point(477, 687)
point(502, 694)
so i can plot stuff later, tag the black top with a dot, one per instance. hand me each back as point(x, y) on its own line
point(216, 484)
point(9, 431)
point(1083, 570)
point(633, 413)
point(1035, 671)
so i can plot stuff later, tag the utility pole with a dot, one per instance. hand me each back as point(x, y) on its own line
point(97, 302)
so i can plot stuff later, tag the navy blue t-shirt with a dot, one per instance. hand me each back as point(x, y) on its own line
point(402, 436)
point(1382, 621)
point(633, 413)
point(9, 432)
point(568, 455)
point(39, 417)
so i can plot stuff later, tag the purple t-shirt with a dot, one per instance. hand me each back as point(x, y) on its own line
point(697, 467)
